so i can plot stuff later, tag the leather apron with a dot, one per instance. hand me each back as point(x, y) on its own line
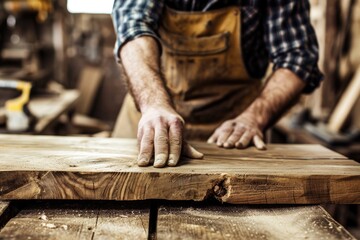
point(204, 71)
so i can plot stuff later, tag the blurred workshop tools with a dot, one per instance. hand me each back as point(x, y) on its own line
point(17, 116)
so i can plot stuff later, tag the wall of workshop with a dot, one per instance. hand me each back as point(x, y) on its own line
point(90, 42)
point(354, 56)
point(329, 21)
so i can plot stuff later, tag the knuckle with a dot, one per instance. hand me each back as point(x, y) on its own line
point(227, 129)
point(147, 140)
point(175, 121)
point(227, 123)
point(162, 140)
point(175, 141)
point(145, 154)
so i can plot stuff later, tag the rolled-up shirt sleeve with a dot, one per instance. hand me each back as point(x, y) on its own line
point(135, 18)
point(291, 40)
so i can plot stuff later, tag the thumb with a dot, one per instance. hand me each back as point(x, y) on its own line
point(190, 152)
point(259, 143)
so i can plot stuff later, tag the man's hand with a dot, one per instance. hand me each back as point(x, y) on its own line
point(239, 132)
point(281, 90)
point(160, 130)
point(160, 134)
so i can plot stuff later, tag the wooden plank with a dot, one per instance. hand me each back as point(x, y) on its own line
point(345, 105)
point(6, 212)
point(3, 206)
point(48, 109)
point(45, 167)
point(248, 222)
point(89, 83)
point(89, 124)
point(96, 220)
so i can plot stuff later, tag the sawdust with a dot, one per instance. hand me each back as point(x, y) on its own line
point(43, 217)
point(48, 225)
point(65, 227)
point(53, 226)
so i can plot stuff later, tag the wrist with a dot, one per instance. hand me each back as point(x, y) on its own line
point(157, 106)
point(258, 115)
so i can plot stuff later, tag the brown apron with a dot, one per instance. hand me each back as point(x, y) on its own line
point(204, 71)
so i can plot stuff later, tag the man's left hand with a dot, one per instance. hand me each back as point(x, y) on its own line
point(239, 132)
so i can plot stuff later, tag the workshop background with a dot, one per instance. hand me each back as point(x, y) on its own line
point(65, 50)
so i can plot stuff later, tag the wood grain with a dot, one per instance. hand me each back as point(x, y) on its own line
point(248, 222)
point(96, 220)
point(44, 167)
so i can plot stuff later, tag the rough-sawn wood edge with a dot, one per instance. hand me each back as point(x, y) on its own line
point(230, 188)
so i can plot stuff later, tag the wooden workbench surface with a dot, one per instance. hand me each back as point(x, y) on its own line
point(44, 167)
point(166, 220)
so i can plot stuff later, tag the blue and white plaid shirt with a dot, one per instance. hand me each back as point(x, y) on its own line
point(273, 30)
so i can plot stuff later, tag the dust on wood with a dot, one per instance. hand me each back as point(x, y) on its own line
point(250, 222)
point(95, 220)
point(45, 167)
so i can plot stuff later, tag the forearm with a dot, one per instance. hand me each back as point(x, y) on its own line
point(141, 61)
point(280, 92)
point(160, 129)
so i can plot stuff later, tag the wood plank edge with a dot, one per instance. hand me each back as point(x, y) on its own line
point(8, 210)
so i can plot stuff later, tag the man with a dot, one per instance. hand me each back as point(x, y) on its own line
point(206, 84)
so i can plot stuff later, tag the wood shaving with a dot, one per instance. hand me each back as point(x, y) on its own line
point(43, 217)
point(65, 227)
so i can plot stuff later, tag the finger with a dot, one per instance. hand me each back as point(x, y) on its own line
point(224, 135)
point(213, 138)
point(175, 140)
point(233, 138)
point(190, 152)
point(259, 143)
point(146, 148)
point(161, 147)
point(244, 140)
point(140, 134)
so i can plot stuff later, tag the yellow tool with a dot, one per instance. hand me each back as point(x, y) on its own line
point(17, 119)
point(43, 7)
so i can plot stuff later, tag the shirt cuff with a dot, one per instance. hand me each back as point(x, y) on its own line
point(130, 35)
point(311, 77)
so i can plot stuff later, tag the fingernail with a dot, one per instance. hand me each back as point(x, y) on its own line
point(199, 155)
point(143, 162)
point(160, 160)
point(228, 145)
point(171, 160)
point(239, 145)
point(210, 141)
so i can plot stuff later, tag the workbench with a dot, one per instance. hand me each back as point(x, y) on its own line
point(86, 188)
point(165, 220)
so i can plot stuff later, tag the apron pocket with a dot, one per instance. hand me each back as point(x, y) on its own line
point(192, 63)
point(194, 46)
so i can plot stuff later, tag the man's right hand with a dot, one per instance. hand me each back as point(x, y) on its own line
point(160, 130)
point(160, 134)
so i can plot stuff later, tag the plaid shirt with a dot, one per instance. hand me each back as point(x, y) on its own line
point(274, 30)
